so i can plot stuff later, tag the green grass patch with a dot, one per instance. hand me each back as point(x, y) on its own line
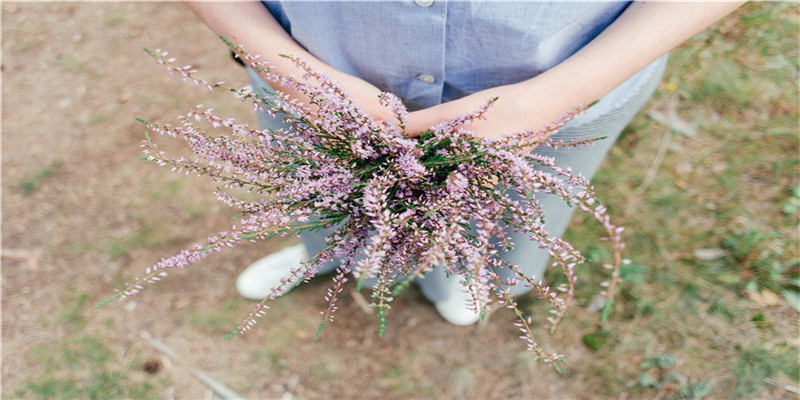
point(220, 319)
point(397, 380)
point(733, 190)
point(71, 314)
point(115, 20)
point(122, 247)
point(80, 368)
point(146, 236)
point(324, 368)
point(659, 373)
point(37, 177)
point(70, 63)
point(167, 191)
point(755, 364)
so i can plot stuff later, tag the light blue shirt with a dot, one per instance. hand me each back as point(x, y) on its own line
point(429, 52)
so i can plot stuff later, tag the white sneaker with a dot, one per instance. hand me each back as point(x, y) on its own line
point(455, 309)
point(257, 280)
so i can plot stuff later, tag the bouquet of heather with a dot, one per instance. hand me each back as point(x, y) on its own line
point(398, 206)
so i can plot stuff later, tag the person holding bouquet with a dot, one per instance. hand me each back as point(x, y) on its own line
point(446, 58)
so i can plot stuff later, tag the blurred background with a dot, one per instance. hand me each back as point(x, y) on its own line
point(705, 179)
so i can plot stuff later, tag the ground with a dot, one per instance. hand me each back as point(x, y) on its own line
point(706, 310)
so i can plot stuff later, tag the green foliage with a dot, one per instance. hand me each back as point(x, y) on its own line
point(755, 364)
point(71, 314)
point(791, 206)
point(596, 340)
point(699, 390)
point(632, 273)
point(754, 254)
point(38, 176)
point(106, 301)
point(792, 296)
point(718, 308)
point(658, 372)
point(230, 335)
point(734, 188)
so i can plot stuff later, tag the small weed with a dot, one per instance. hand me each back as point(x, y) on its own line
point(99, 118)
point(760, 320)
point(760, 261)
point(115, 20)
point(720, 309)
point(741, 244)
point(29, 185)
point(658, 373)
point(70, 64)
point(596, 340)
point(71, 314)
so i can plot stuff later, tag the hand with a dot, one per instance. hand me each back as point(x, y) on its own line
point(644, 32)
point(519, 107)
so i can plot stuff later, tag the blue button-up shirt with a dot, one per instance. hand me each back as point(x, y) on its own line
point(429, 52)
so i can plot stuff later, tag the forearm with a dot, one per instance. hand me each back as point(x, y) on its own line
point(644, 32)
point(251, 25)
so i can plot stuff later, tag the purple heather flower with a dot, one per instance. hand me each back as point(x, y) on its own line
point(398, 207)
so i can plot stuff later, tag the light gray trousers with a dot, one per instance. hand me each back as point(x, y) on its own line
point(603, 119)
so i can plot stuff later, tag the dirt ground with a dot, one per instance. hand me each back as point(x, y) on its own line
point(82, 214)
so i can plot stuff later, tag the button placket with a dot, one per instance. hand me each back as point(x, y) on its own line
point(427, 78)
point(423, 88)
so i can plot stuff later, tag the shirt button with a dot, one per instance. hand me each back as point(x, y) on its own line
point(426, 78)
point(423, 3)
